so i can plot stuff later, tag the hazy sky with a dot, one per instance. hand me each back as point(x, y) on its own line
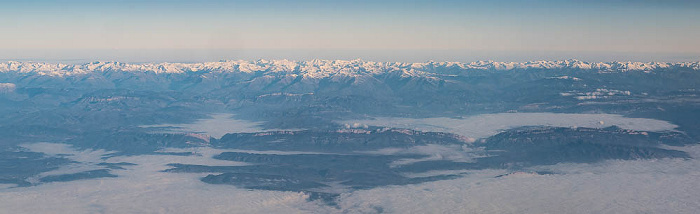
point(33, 29)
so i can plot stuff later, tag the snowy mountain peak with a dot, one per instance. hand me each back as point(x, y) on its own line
point(325, 68)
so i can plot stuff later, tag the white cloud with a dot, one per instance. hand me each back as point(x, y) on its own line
point(485, 125)
point(454, 153)
point(217, 126)
point(639, 186)
point(143, 188)
point(642, 186)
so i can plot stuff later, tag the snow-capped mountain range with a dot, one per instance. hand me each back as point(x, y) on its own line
point(326, 68)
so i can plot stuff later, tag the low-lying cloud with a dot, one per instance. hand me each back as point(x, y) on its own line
point(652, 186)
point(485, 125)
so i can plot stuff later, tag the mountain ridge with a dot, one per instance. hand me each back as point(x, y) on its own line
point(327, 68)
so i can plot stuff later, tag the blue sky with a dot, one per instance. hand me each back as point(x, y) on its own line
point(32, 29)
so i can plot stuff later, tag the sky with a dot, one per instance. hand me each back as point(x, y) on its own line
point(400, 30)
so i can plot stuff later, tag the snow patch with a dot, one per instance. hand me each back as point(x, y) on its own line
point(7, 87)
